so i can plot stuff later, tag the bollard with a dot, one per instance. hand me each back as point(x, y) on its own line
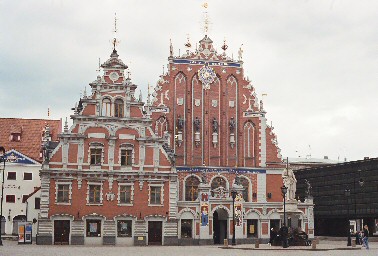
point(257, 243)
point(353, 242)
point(225, 242)
point(313, 245)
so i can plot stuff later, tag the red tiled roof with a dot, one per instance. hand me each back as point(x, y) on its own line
point(31, 134)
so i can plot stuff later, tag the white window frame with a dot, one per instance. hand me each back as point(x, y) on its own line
point(96, 145)
point(91, 183)
point(126, 146)
point(57, 183)
point(161, 194)
point(131, 194)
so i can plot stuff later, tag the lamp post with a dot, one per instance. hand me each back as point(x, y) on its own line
point(347, 195)
point(2, 159)
point(284, 229)
point(361, 183)
point(233, 194)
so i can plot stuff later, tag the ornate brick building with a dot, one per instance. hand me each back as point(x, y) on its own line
point(109, 181)
point(162, 173)
point(210, 114)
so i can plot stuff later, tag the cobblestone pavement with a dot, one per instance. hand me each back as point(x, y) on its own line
point(11, 248)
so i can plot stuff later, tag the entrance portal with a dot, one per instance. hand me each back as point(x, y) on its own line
point(220, 217)
point(155, 232)
point(61, 232)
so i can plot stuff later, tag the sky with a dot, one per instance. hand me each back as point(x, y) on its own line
point(316, 60)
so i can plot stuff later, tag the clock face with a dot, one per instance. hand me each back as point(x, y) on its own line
point(206, 75)
point(114, 76)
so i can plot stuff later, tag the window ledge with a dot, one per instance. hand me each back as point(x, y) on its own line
point(58, 203)
point(94, 204)
point(121, 204)
point(156, 205)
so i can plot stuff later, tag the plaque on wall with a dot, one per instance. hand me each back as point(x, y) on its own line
point(214, 103)
point(197, 102)
point(231, 104)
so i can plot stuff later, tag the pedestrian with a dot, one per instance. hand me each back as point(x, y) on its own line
point(365, 240)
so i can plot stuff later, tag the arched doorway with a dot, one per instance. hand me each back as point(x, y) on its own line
point(16, 220)
point(220, 217)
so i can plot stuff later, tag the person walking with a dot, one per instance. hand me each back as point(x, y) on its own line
point(365, 240)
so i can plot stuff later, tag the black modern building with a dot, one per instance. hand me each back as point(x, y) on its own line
point(342, 191)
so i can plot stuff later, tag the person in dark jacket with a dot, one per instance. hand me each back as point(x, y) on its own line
point(365, 240)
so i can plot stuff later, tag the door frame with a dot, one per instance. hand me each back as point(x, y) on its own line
point(156, 218)
point(53, 219)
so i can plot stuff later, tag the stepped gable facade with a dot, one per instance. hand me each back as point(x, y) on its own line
point(209, 113)
point(109, 180)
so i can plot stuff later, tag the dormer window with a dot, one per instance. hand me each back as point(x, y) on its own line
point(15, 137)
point(118, 108)
point(106, 107)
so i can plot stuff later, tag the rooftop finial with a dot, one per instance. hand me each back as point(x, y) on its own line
point(224, 46)
point(48, 113)
point(206, 19)
point(170, 48)
point(188, 44)
point(99, 67)
point(115, 41)
point(66, 125)
point(148, 94)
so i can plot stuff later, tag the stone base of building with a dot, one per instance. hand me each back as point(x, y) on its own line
point(77, 240)
point(205, 241)
point(109, 240)
point(171, 240)
point(44, 239)
point(140, 241)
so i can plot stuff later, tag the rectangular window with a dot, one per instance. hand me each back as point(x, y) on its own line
point(10, 198)
point(63, 195)
point(12, 176)
point(155, 196)
point(94, 228)
point(186, 228)
point(94, 194)
point(124, 228)
point(37, 203)
point(126, 157)
point(24, 197)
point(96, 156)
point(125, 194)
point(28, 176)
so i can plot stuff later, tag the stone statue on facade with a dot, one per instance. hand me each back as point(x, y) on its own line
point(290, 182)
point(232, 125)
point(197, 124)
point(308, 189)
point(203, 177)
point(215, 125)
point(180, 123)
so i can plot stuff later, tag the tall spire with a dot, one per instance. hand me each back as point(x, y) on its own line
point(115, 41)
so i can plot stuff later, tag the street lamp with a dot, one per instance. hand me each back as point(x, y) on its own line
point(284, 229)
point(347, 194)
point(2, 159)
point(233, 194)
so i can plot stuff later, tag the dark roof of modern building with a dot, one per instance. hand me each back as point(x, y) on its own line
point(31, 134)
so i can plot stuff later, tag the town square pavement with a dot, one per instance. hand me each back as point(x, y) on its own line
point(11, 248)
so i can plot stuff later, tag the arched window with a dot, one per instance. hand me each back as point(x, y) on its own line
point(218, 182)
point(106, 107)
point(249, 139)
point(245, 183)
point(161, 125)
point(191, 188)
point(118, 108)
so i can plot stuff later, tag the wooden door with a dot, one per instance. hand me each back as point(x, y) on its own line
point(155, 232)
point(61, 231)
